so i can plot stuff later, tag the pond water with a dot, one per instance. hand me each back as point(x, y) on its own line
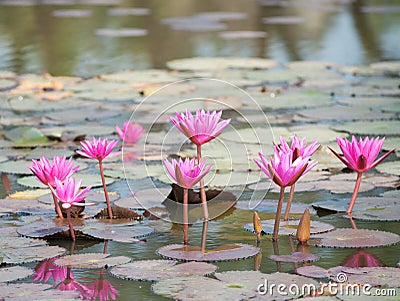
point(85, 38)
point(46, 115)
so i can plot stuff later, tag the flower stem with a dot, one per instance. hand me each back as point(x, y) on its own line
point(57, 206)
point(278, 214)
point(185, 217)
point(103, 180)
point(204, 205)
point(71, 228)
point(289, 203)
point(355, 193)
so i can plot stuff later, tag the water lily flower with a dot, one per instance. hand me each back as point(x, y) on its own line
point(202, 127)
point(284, 171)
point(130, 132)
point(60, 168)
point(187, 174)
point(69, 194)
point(360, 156)
point(99, 149)
point(298, 148)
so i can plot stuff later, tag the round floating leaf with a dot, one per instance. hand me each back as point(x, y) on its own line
point(295, 257)
point(390, 67)
point(49, 153)
point(155, 270)
point(219, 63)
point(232, 285)
point(14, 273)
point(121, 32)
point(337, 186)
point(25, 136)
point(375, 276)
point(71, 13)
point(343, 113)
point(25, 206)
point(224, 253)
point(7, 84)
point(16, 167)
point(270, 206)
point(90, 261)
point(354, 238)
point(117, 230)
point(144, 199)
point(49, 228)
point(314, 65)
point(93, 180)
point(128, 11)
point(34, 291)
point(323, 134)
point(392, 167)
point(290, 226)
point(92, 196)
point(30, 254)
point(318, 272)
point(376, 128)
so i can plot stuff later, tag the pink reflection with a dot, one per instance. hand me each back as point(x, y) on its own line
point(102, 289)
point(46, 269)
point(361, 258)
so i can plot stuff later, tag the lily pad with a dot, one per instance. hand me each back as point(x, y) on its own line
point(128, 11)
point(14, 273)
point(389, 67)
point(232, 285)
point(270, 206)
point(71, 13)
point(354, 238)
point(90, 261)
point(343, 113)
point(16, 167)
point(284, 20)
point(289, 227)
point(380, 128)
point(25, 206)
point(213, 63)
point(242, 34)
point(34, 291)
point(121, 32)
point(30, 254)
point(318, 272)
point(49, 228)
point(223, 253)
point(25, 136)
point(155, 270)
point(375, 276)
point(295, 257)
point(391, 168)
point(144, 199)
point(117, 230)
point(93, 180)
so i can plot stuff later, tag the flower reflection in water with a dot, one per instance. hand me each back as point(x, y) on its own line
point(362, 258)
point(102, 289)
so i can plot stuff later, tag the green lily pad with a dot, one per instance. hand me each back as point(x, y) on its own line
point(145, 199)
point(50, 153)
point(213, 63)
point(16, 167)
point(30, 254)
point(25, 136)
point(223, 253)
point(232, 285)
point(14, 273)
point(377, 128)
point(93, 180)
point(354, 238)
point(155, 270)
point(391, 167)
point(323, 134)
point(90, 261)
point(343, 113)
point(34, 291)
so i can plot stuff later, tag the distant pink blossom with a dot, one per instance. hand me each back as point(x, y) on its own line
point(47, 172)
point(69, 192)
point(131, 132)
point(282, 169)
point(360, 155)
point(186, 172)
point(202, 127)
point(97, 148)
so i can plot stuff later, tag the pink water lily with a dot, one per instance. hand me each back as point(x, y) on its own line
point(284, 171)
point(60, 168)
point(99, 149)
point(186, 172)
point(70, 193)
point(360, 155)
point(131, 132)
point(299, 148)
point(202, 127)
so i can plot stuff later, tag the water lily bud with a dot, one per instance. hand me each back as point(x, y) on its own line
point(303, 229)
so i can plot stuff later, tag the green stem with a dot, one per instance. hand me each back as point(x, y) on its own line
point(278, 214)
point(185, 217)
point(103, 180)
point(355, 193)
point(57, 206)
point(71, 228)
point(289, 203)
